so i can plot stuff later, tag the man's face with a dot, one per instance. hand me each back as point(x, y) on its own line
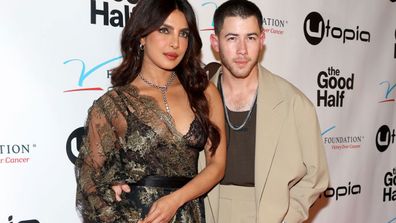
point(239, 44)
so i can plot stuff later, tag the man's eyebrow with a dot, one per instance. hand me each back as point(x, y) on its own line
point(231, 34)
point(234, 34)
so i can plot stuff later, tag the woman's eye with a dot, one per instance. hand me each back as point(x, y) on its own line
point(184, 34)
point(163, 30)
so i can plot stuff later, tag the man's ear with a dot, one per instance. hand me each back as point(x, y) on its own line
point(262, 38)
point(214, 42)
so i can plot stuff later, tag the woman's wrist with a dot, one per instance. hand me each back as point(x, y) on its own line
point(177, 198)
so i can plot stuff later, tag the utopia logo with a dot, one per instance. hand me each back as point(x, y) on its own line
point(385, 136)
point(342, 191)
point(11, 220)
point(84, 73)
point(73, 143)
point(388, 91)
point(394, 53)
point(315, 29)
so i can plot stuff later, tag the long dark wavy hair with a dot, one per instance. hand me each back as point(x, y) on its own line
point(147, 17)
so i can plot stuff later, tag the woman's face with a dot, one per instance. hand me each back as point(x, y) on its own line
point(165, 47)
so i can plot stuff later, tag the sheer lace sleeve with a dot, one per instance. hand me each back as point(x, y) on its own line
point(97, 169)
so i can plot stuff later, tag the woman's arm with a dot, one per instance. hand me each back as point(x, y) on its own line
point(94, 173)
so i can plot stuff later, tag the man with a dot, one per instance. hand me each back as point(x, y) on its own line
point(276, 165)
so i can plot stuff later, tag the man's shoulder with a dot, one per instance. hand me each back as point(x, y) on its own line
point(288, 90)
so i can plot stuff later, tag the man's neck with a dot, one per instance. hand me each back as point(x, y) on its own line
point(238, 85)
point(239, 93)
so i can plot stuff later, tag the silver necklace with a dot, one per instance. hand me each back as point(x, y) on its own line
point(162, 89)
point(236, 128)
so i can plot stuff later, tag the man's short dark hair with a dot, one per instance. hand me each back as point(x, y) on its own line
point(236, 8)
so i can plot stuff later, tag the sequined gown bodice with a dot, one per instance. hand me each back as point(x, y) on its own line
point(128, 137)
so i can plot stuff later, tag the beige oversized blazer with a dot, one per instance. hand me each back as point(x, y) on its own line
point(290, 163)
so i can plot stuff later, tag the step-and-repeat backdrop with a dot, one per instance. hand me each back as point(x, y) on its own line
point(55, 58)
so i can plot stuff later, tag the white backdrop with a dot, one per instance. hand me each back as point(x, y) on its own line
point(55, 57)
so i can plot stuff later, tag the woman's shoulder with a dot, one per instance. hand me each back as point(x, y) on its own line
point(107, 97)
point(114, 93)
point(212, 95)
point(211, 91)
point(107, 101)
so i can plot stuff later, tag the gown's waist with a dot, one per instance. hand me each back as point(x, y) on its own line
point(162, 181)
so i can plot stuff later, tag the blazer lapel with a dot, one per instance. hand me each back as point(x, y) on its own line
point(269, 122)
point(215, 78)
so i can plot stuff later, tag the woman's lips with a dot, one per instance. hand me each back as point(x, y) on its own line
point(171, 56)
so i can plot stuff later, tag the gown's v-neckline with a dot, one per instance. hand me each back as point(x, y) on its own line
point(163, 115)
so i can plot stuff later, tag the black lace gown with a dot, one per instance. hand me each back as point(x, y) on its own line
point(128, 138)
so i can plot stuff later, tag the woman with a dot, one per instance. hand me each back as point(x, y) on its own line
point(149, 129)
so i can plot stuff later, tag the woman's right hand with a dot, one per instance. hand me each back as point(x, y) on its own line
point(119, 188)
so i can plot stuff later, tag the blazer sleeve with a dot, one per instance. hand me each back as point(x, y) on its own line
point(304, 193)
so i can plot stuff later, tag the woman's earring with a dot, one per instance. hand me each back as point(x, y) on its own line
point(141, 47)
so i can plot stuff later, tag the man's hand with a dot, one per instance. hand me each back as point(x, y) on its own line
point(119, 188)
